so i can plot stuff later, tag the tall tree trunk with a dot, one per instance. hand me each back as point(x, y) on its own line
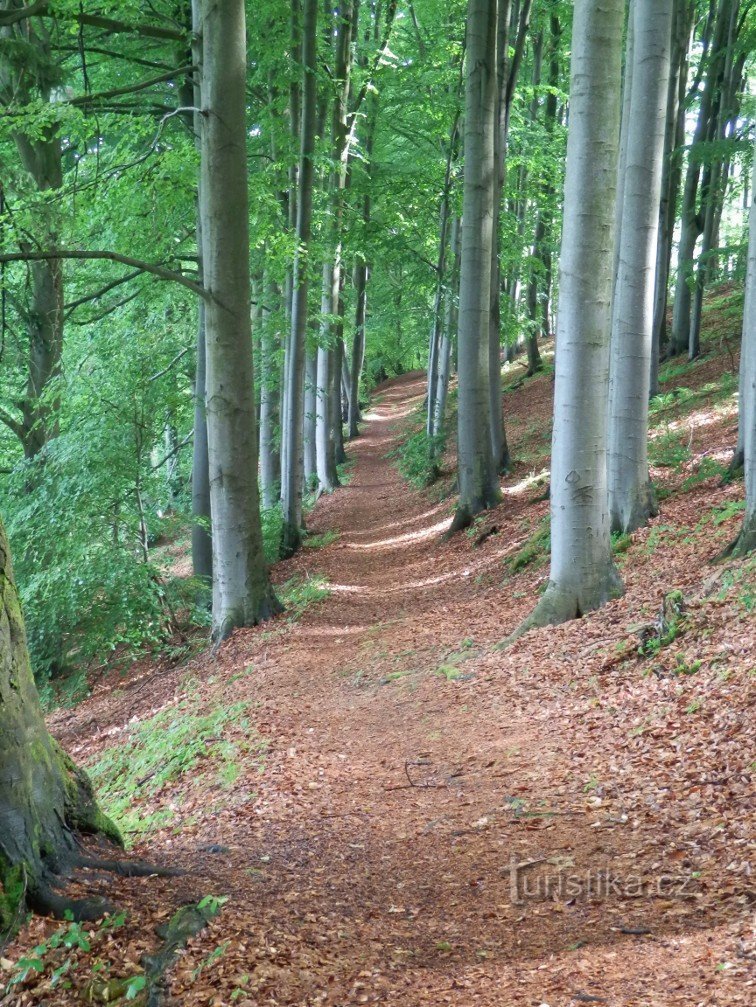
point(44, 798)
point(202, 543)
point(535, 363)
point(671, 177)
point(450, 325)
point(631, 498)
point(746, 540)
point(270, 385)
point(330, 446)
point(310, 417)
point(294, 472)
point(477, 467)
point(715, 47)
point(583, 576)
point(242, 595)
point(360, 280)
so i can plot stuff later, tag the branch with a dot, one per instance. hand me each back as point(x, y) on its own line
point(70, 308)
point(88, 99)
point(168, 367)
point(120, 27)
point(11, 423)
point(13, 16)
point(173, 451)
point(126, 260)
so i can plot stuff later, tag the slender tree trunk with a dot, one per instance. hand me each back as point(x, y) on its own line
point(361, 273)
point(202, 545)
point(44, 798)
point(583, 576)
point(746, 540)
point(270, 385)
point(295, 471)
point(671, 177)
point(535, 363)
point(631, 497)
point(310, 406)
point(691, 223)
point(450, 325)
point(242, 595)
point(477, 468)
point(330, 440)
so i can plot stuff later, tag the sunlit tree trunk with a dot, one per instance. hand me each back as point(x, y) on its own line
point(294, 470)
point(44, 799)
point(631, 498)
point(583, 575)
point(310, 411)
point(242, 595)
point(477, 468)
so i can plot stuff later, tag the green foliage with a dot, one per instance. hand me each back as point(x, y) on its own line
point(272, 530)
point(535, 550)
point(162, 750)
point(417, 458)
point(298, 593)
point(320, 541)
point(59, 956)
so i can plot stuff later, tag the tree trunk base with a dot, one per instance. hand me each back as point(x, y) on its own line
point(562, 604)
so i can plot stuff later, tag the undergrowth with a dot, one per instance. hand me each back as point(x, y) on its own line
point(162, 750)
point(417, 458)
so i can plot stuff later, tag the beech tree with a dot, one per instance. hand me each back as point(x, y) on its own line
point(631, 500)
point(583, 576)
point(477, 468)
point(293, 433)
point(242, 595)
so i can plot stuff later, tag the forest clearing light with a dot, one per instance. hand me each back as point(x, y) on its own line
point(525, 483)
point(415, 519)
point(395, 414)
point(411, 536)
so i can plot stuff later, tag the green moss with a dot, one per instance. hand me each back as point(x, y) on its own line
point(12, 892)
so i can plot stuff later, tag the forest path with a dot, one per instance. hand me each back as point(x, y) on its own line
point(408, 764)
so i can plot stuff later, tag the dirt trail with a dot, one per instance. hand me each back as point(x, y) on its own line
point(409, 764)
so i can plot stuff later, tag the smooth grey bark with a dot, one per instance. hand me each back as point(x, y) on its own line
point(44, 798)
point(477, 467)
point(450, 324)
point(746, 540)
point(535, 363)
point(310, 410)
point(270, 390)
point(583, 576)
point(294, 471)
point(671, 177)
point(242, 595)
point(441, 278)
point(329, 435)
point(202, 544)
point(360, 281)
point(627, 90)
point(631, 497)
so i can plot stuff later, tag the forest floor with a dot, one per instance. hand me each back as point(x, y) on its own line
point(397, 811)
